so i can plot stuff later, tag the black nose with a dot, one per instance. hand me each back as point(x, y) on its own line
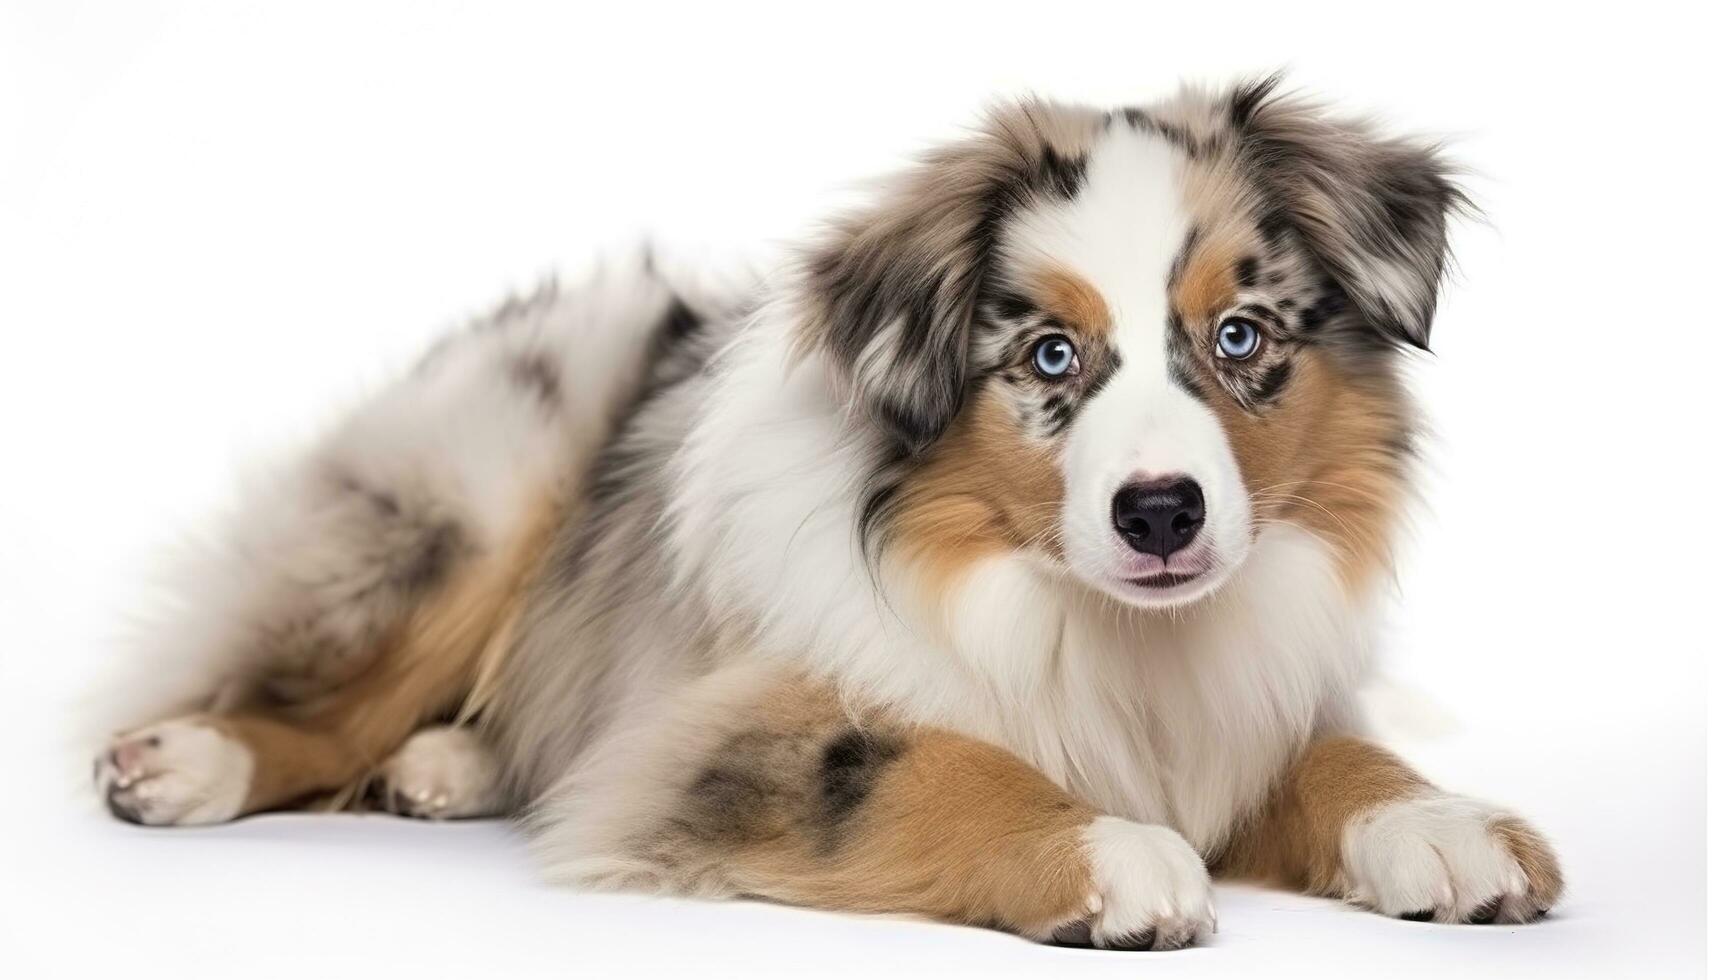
point(1159, 517)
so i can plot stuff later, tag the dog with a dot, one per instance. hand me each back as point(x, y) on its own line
point(1006, 555)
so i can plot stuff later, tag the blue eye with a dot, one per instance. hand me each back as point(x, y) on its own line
point(1237, 339)
point(1054, 357)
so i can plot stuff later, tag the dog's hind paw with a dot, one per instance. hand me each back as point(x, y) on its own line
point(176, 773)
point(441, 773)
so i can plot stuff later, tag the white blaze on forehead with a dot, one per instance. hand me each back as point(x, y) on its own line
point(1121, 233)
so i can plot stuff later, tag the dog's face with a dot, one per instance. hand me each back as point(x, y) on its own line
point(1126, 343)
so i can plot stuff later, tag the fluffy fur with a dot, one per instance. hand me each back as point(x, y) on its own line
point(818, 587)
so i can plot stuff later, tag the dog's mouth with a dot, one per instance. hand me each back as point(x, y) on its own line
point(1149, 581)
point(1164, 580)
point(1185, 579)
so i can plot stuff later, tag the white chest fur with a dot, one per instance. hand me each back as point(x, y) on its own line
point(1181, 717)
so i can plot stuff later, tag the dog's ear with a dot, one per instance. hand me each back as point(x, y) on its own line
point(891, 291)
point(1373, 209)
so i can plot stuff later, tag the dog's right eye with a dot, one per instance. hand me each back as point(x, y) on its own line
point(1054, 357)
point(1237, 339)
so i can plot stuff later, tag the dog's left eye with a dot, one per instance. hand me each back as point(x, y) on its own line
point(1237, 339)
point(1054, 357)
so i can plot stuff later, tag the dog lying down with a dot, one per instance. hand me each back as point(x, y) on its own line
point(1007, 555)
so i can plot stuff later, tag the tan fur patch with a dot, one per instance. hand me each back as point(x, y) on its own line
point(966, 832)
point(1535, 858)
point(985, 488)
point(1206, 284)
point(950, 827)
point(425, 667)
point(1073, 300)
point(291, 762)
point(1295, 840)
point(1325, 458)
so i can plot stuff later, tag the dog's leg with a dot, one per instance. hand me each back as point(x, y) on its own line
point(1351, 820)
point(203, 769)
point(791, 797)
point(351, 596)
point(210, 767)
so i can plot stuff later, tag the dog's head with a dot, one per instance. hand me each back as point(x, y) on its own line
point(1127, 342)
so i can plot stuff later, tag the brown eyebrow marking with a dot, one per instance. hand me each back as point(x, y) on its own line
point(1071, 299)
point(1207, 281)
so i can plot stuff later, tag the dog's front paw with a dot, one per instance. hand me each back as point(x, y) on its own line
point(175, 773)
point(1450, 859)
point(1150, 890)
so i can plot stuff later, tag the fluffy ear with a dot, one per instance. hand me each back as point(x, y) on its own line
point(1373, 209)
point(892, 290)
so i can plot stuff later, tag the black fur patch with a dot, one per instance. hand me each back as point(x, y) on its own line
point(1181, 358)
point(1248, 98)
point(878, 506)
point(851, 763)
point(436, 542)
point(1060, 176)
point(761, 784)
point(727, 804)
point(1327, 306)
point(747, 790)
point(537, 375)
point(1183, 256)
point(680, 322)
point(1059, 412)
point(1272, 381)
point(434, 558)
point(1099, 373)
point(1274, 226)
point(1401, 445)
point(1246, 272)
point(1008, 305)
point(674, 356)
point(1179, 136)
point(1135, 118)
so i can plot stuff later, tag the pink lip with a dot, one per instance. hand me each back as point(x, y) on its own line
point(1150, 572)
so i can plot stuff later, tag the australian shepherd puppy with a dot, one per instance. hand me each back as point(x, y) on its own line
point(1007, 556)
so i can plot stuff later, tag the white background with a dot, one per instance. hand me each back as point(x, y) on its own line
point(218, 221)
